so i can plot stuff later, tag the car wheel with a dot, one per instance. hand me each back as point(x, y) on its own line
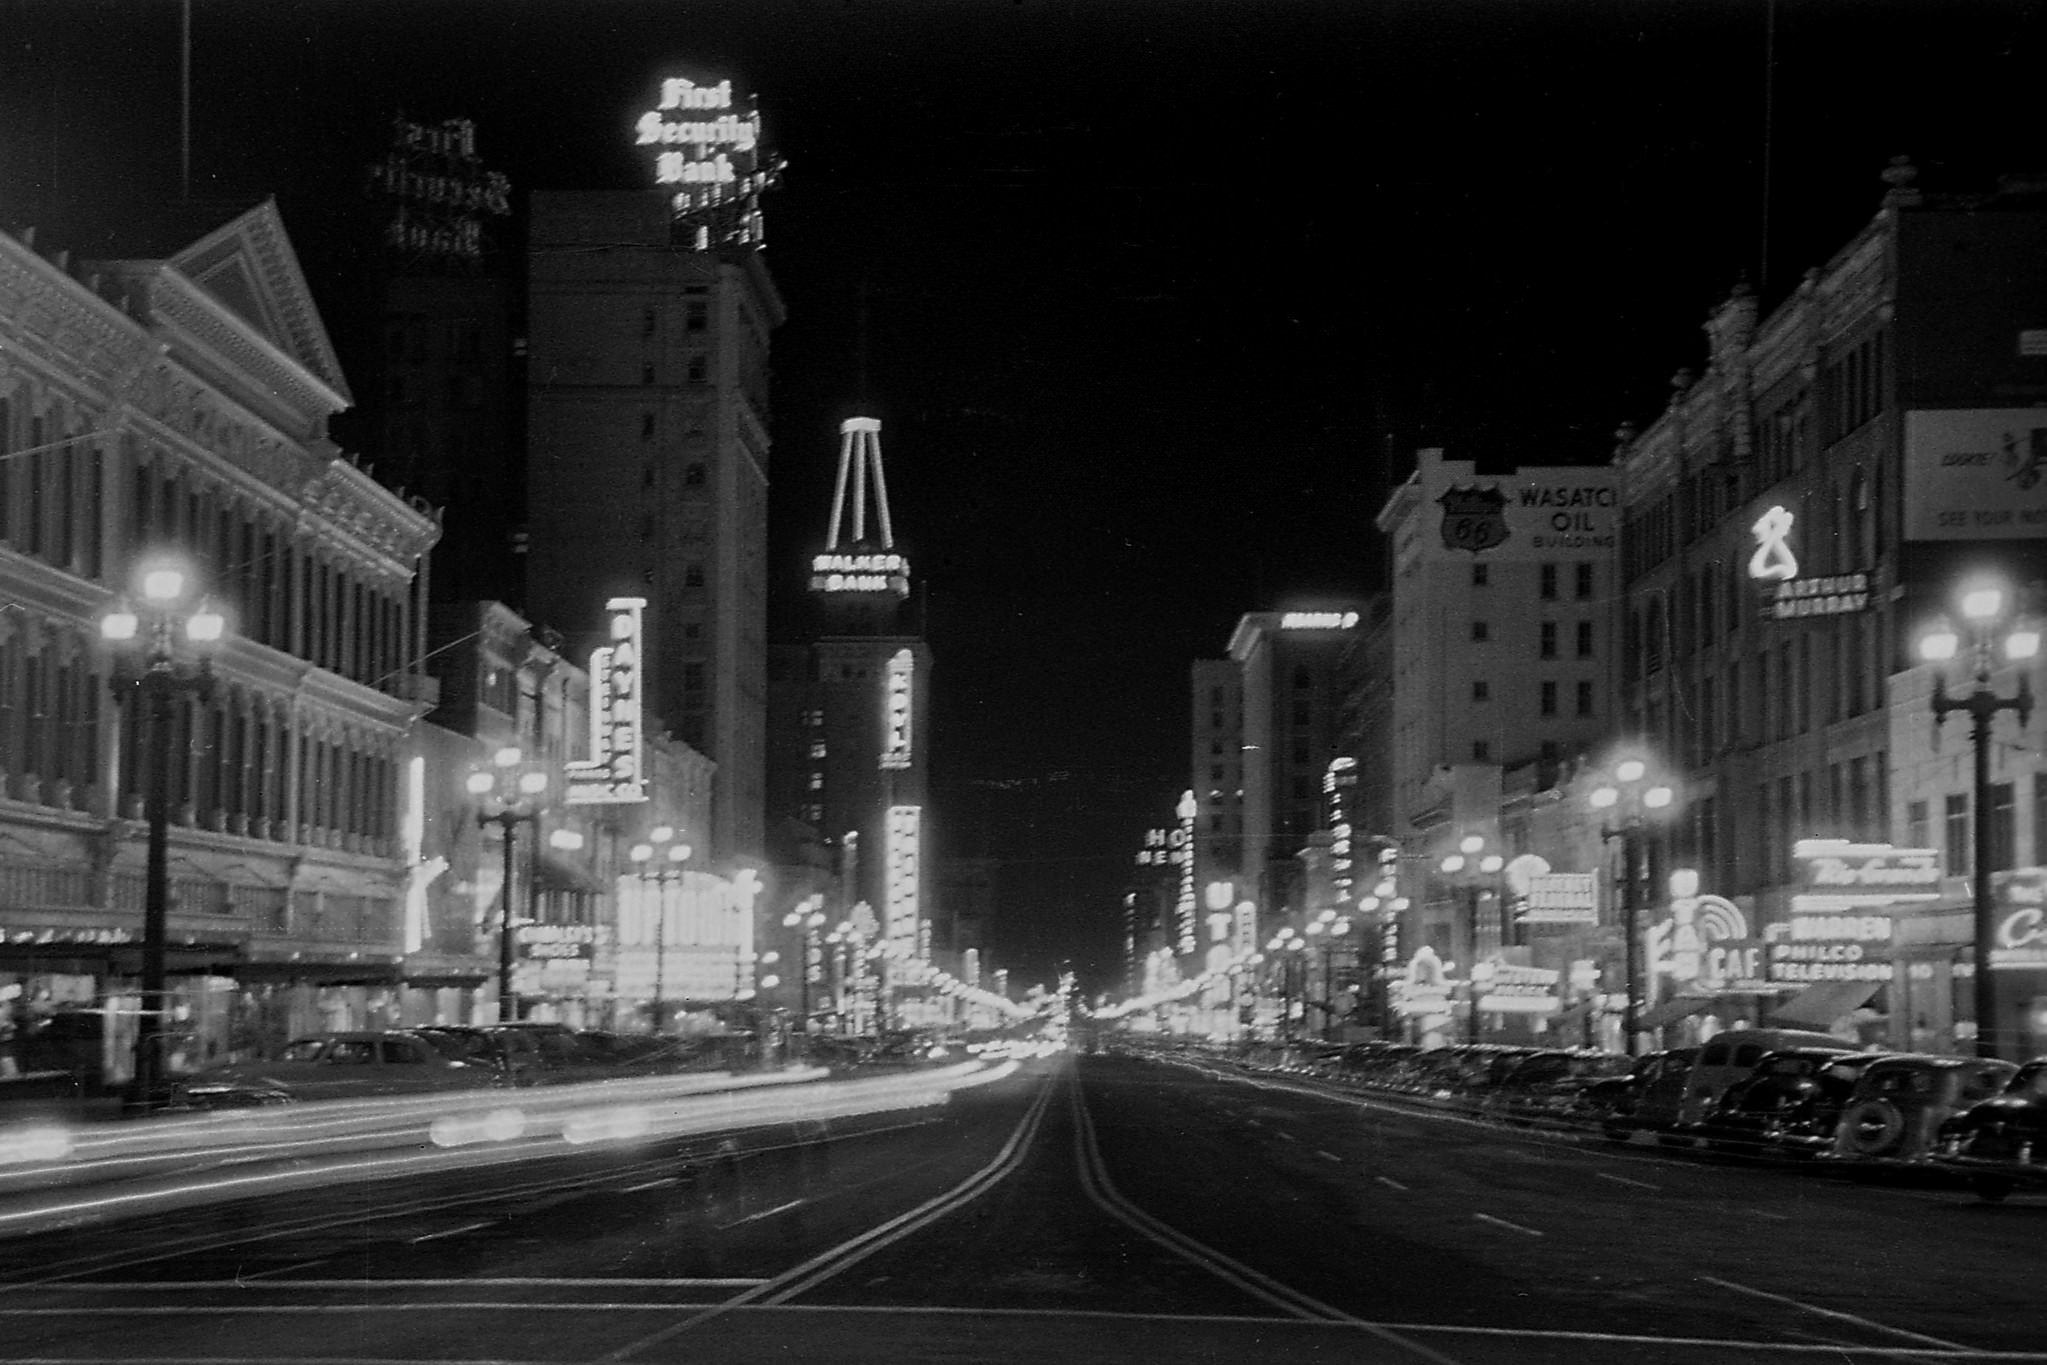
point(1992, 1189)
point(1872, 1128)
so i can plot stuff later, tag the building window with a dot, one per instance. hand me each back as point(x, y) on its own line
point(1549, 698)
point(646, 426)
point(696, 315)
point(1481, 751)
point(693, 576)
point(1480, 573)
point(693, 475)
point(1549, 583)
point(699, 369)
point(1584, 699)
point(647, 372)
point(1584, 568)
point(1584, 639)
point(1548, 647)
point(1481, 690)
point(1959, 863)
point(1479, 632)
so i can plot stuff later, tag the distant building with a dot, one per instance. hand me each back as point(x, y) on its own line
point(648, 466)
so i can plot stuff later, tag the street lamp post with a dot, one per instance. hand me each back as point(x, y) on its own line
point(511, 791)
point(1992, 627)
point(666, 858)
point(1468, 868)
point(807, 918)
point(1630, 795)
point(151, 634)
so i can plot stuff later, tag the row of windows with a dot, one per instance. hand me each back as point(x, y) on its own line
point(1843, 800)
point(1548, 692)
point(1958, 838)
point(1549, 577)
point(1547, 637)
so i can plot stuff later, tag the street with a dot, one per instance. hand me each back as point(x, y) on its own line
point(1101, 1208)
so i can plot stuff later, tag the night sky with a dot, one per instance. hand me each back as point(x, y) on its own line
point(1161, 295)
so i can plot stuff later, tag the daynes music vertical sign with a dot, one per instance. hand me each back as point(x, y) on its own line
point(615, 772)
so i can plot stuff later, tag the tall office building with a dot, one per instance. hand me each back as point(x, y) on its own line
point(864, 701)
point(1281, 687)
point(1502, 587)
point(647, 465)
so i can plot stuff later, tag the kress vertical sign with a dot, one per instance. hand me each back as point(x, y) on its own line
point(615, 772)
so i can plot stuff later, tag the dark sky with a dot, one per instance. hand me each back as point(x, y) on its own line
point(1163, 292)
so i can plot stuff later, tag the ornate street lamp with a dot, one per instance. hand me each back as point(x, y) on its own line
point(148, 636)
point(1469, 870)
point(1633, 797)
point(659, 861)
point(807, 918)
point(1993, 627)
point(1286, 948)
point(512, 792)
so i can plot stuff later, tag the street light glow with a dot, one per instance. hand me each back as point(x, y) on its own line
point(1656, 798)
point(1630, 770)
point(163, 585)
point(1471, 843)
point(1939, 644)
point(532, 783)
point(205, 626)
point(2022, 643)
point(120, 624)
point(479, 784)
point(506, 757)
point(1982, 603)
point(1603, 797)
point(1453, 862)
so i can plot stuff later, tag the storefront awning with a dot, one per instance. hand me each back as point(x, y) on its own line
point(1670, 1011)
point(320, 973)
point(1819, 1006)
point(559, 874)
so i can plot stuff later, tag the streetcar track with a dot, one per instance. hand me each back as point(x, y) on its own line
point(838, 1259)
point(1095, 1181)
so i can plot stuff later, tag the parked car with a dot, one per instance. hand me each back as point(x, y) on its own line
point(1790, 1103)
point(1546, 1086)
point(1894, 1114)
point(514, 1057)
point(2000, 1144)
point(1645, 1100)
point(334, 1066)
point(1732, 1056)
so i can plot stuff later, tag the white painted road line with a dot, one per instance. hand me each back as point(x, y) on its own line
point(1837, 1315)
point(1623, 1180)
point(1389, 1182)
point(452, 1232)
point(764, 1213)
point(652, 1184)
point(1285, 1134)
point(1501, 1222)
point(1328, 1156)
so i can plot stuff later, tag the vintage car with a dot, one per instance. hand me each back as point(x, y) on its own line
point(1894, 1114)
point(334, 1066)
point(2000, 1144)
point(1645, 1100)
point(1546, 1086)
point(1791, 1103)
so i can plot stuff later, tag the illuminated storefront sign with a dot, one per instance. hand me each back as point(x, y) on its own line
point(541, 942)
point(2021, 934)
point(902, 874)
point(1786, 596)
point(1829, 947)
point(1423, 990)
point(614, 772)
point(438, 192)
point(1518, 990)
point(832, 572)
point(1839, 873)
point(1562, 898)
point(897, 711)
point(1705, 946)
point(1318, 620)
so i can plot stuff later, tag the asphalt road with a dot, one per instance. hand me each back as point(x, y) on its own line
point(1101, 1209)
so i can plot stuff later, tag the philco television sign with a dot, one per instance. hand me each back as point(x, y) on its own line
point(614, 774)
